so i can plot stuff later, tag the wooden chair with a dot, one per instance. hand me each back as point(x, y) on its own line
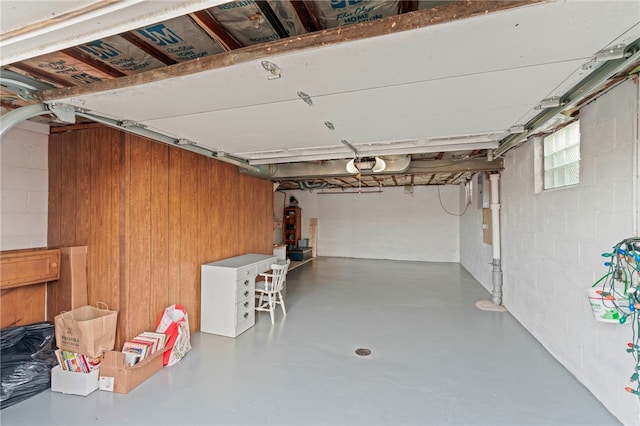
point(269, 291)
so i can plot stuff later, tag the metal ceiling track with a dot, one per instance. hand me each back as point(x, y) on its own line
point(67, 114)
point(588, 86)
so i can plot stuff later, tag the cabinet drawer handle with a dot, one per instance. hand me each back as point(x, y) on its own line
point(246, 282)
point(246, 315)
point(246, 293)
point(246, 304)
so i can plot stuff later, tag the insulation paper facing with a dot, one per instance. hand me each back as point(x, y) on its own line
point(342, 12)
point(170, 37)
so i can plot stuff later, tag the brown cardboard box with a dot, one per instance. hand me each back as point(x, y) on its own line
point(70, 291)
point(117, 376)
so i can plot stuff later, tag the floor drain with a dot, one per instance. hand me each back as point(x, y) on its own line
point(363, 351)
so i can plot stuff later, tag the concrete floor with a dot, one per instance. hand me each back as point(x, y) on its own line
point(436, 360)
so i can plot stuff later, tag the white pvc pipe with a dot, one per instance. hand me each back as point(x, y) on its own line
point(635, 198)
point(496, 294)
point(495, 214)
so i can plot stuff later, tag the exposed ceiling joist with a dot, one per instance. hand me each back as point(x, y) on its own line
point(307, 14)
point(215, 30)
point(148, 48)
point(272, 18)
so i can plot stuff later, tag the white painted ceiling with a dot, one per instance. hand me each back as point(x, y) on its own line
point(472, 77)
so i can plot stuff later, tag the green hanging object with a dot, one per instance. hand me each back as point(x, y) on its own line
point(607, 255)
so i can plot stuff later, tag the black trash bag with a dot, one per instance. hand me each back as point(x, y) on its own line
point(26, 359)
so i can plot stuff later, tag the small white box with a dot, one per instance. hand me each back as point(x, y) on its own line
point(73, 383)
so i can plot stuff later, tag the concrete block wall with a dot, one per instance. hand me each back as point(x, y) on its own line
point(552, 245)
point(388, 225)
point(475, 255)
point(24, 177)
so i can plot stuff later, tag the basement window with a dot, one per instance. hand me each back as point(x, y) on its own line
point(561, 152)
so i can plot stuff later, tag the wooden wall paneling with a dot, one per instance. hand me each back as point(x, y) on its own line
point(68, 182)
point(123, 240)
point(248, 229)
point(175, 225)
point(84, 144)
point(53, 227)
point(217, 201)
point(139, 236)
point(231, 212)
point(56, 300)
point(99, 212)
point(23, 305)
point(258, 215)
point(267, 215)
point(155, 214)
point(55, 190)
point(264, 215)
point(9, 307)
point(159, 283)
point(189, 234)
point(206, 185)
point(32, 306)
point(115, 224)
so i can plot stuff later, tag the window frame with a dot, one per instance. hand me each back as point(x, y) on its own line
point(543, 183)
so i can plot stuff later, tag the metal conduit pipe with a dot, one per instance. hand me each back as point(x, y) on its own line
point(496, 275)
point(308, 186)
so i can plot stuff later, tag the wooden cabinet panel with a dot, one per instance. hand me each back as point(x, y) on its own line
point(24, 267)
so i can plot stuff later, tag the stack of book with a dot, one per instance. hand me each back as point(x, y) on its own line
point(143, 345)
point(78, 363)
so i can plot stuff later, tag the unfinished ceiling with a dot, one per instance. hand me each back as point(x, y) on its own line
point(293, 90)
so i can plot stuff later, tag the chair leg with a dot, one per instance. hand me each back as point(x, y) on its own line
point(282, 304)
point(271, 308)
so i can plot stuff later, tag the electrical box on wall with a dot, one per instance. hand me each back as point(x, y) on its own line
point(483, 191)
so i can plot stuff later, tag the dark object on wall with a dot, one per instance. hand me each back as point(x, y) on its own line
point(293, 201)
point(26, 358)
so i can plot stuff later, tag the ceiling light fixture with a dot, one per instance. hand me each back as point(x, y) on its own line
point(367, 164)
point(305, 98)
point(274, 71)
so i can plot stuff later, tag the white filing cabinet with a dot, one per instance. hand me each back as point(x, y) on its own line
point(227, 293)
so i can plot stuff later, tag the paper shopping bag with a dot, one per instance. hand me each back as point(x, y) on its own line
point(87, 330)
